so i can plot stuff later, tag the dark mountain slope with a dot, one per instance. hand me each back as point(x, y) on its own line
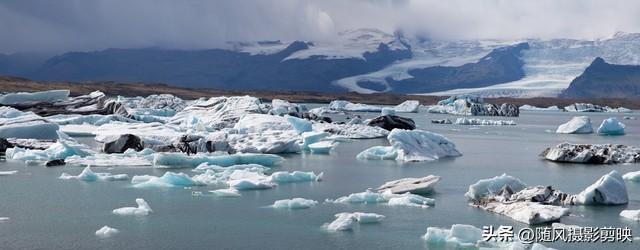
point(604, 80)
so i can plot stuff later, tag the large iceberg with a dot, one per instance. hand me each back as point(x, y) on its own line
point(472, 105)
point(30, 98)
point(608, 190)
point(143, 209)
point(352, 131)
point(482, 122)
point(528, 107)
point(179, 160)
point(62, 149)
point(611, 126)
point(18, 124)
point(169, 179)
point(341, 105)
point(423, 185)
point(216, 112)
point(592, 153)
point(283, 107)
point(632, 176)
point(412, 145)
point(391, 199)
point(577, 125)
point(295, 203)
point(408, 106)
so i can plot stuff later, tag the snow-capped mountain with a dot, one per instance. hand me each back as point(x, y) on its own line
point(361, 60)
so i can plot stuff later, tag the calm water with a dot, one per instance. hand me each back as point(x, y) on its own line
point(48, 213)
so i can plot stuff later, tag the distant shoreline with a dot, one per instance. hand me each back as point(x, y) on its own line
point(16, 84)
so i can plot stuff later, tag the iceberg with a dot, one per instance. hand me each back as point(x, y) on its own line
point(106, 232)
point(258, 123)
point(341, 105)
point(592, 153)
point(7, 173)
point(283, 107)
point(493, 186)
point(89, 176)
point(129, 158)
point(250, 184)
point(369, 197)
point(143, 209)
point(27, 125)
point(631, 214)
point(584, 107)
point(62, 149)
point(611, 126)
point(610, 189)
point(632, 176)
point(295, 176)
point(309, 138)
point(577, 125)
point(473, 105)
point(408, 106)
point(154, 133)
point(351, 131)
point(482, 122)
point(323, 147)
point(295, 203)
point(216, 112)
point(169, 179)
point(179, 160)
point(459, 236)
point(528, 107)
point(226, 192)
point(387, 111)
point(424, 185)
point(346, 221)
point(413, 145)
point(31, 98)
point(300, 125)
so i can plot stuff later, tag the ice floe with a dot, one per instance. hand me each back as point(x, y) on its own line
point(370, 197)
point(106, 232)
point(7, 173)
point(611, 126)
point(295, 176)
point(341, 105)
point(18, 124)
point(592, 153)
point(30, 98)
point(346, 221)
point(226, 192)
point(461, 236)
point(89, 176)
point(412, 145)
point(482, 122)
point(295, 203)
point(322, 147)
point(632, 176)
point(577, 125)
point(631, 214)
point(283, 107)
point(472, 105)
point(588, 107)
point(169, 179)
point(528, 107)
point(128, 158)
point(143, 209)
point(62, 149)
point(387, 111)
point(179, 160)
point(423, 185)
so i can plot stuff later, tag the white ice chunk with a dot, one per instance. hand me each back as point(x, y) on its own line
point(366, 218)
point(295, 203)
point(493, 186)
point(5, 173)
point(631, 214)
point(422, 185)
point(26, 98)
point(128, 158)
point(610, 189)
point(322, 147)
point(106, 232)
point(352, 131)
point(180, 160)
point(295, 176)
point(413, 145)
point(300, 125)
point(343, 222)
point(611, 126)
point(250, 184)
point(216, 112)
point(409, 106)
point(577, 125)
point(89, 176)
point(369, 197)
point(169, 179)
point(388, 111)
point(258, 123)
point(341, 105)
point(378, 153)
point(143, 209)
point(632, 176)
point(27, 125)
point(459, 236)
point(483, 122)
point(226, 192)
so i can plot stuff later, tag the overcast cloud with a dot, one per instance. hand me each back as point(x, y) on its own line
point(64, 25)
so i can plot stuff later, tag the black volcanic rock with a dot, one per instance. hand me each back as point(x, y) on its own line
point(389, 122)
point(500, 66)
point(123, 143)
point(604, 80)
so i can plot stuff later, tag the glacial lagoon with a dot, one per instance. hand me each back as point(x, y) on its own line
point(48, 213)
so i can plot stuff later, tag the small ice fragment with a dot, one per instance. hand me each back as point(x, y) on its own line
point(106, 232)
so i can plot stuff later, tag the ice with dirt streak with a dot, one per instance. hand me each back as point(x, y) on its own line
point(412, 146)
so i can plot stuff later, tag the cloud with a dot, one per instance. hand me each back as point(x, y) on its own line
point(63, 25)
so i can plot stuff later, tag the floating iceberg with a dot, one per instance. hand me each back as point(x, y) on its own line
point(309, 138)
point(528, 107)
point(300, 125)
point(89, 176)
point(106, 232)
point(459, 236)
point(179, 160)
point(493, 186)
point(30, 98)
point(424, 185)
point(92, 119)
point(295, 203)
point(610, 189)
point(283, 107)
point(592, 153)
point(632, 176)
point(472, 121)
point(226, 192)
point(295, 176)
point(585, 107)
point(413, 145)
point(611, 126)
point(169, 179)
point(151, 133)
point(340, 105)
point(387, 111)
point(128, 158)
point(369, 197)
point(408, 106)
point(472, 105)
point(346, 221)
point(577, 125)
point(6, 173)
point(60, 150)
point(352, 131)
point(216, 112)
point(323, 147)
point(18, 124)
point(631, 214)
point(143, 209)
point(257, 123)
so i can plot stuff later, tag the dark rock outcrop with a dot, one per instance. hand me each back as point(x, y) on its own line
point(4, 145)
point(55, 163)
point(592, 153)
point(389, 122)
point(124, 142)
point(604, 80)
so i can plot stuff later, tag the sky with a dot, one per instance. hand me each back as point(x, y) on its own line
point(83, 25)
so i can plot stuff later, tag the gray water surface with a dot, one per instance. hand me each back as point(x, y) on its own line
point(48, 213)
